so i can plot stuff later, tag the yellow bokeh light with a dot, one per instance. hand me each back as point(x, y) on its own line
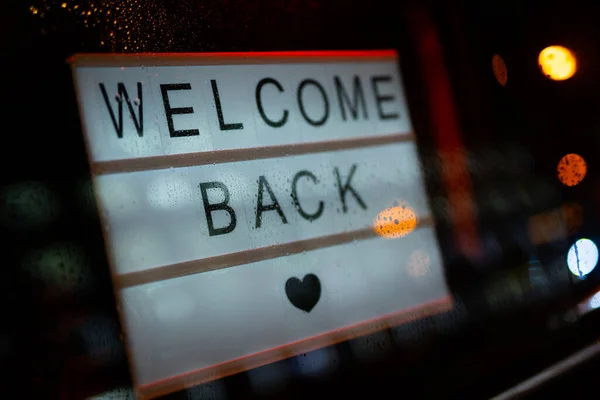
point(557, 63)
point(571, 169)
point(395, 222)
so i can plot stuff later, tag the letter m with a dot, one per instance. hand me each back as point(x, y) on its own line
point(121, 96)
point(357, 101)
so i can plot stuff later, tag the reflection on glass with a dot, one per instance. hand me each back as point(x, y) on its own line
point(557, 63)
point(555, 224)
point(115, 394)
point(270, 378)
point(373, 347)
point(395, 222)
point(99, 335)
point(318, 363)
point(582, 257)
point(573, 215)
point(211, 390)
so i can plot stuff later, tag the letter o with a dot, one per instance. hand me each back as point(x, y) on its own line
point(325, 116)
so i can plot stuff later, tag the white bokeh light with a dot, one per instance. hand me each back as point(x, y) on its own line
point(582, 257)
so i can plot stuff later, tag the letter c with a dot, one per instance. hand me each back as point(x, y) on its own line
point(271, 123)
point(304, 214)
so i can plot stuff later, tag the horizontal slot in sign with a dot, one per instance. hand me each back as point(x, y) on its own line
point(255, 205)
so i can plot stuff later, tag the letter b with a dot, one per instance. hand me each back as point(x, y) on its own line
point(222, 206)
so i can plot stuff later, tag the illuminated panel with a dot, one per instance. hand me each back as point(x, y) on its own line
point(255, 206)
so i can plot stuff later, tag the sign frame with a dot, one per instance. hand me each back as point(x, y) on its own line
point(120, 281)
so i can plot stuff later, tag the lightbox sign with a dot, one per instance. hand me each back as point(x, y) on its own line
point(255, 206)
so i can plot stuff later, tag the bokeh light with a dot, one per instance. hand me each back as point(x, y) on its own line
point(28, 204)
point(571, 169)
point(557, 63)
point(582, 257)
point(122, 25)
point(499, 68)
point(418, 263)
point(63, 266)
point(118, 198)
point(395, 222)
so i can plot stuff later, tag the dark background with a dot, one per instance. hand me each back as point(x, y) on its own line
point(62, 336)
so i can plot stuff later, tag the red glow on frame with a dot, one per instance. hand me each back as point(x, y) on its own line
point(315, 55)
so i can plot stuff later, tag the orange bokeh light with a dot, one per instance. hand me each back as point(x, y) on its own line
point(395, 222)
point(499, 69)
point(571, 169)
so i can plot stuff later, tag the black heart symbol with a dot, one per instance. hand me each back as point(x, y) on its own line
point(303, 294)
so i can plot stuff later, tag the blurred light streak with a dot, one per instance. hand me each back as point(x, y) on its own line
point(590, 304)
point(447, 135)
point(559, 369)
point(556, 224)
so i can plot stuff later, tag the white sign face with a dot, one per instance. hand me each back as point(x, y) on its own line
point(255, 206)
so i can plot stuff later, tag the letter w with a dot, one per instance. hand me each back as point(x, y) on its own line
point(122, 94)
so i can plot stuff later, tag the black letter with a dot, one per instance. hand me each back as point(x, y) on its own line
point(262, 182)
point(209, 208)
point(358, 97)
point(164, 89)
point(380, 99)
point(139, 125)
point(222, 124)
point(274, 124)
point(301, 104)
point(295, 201)
point(347, 187)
